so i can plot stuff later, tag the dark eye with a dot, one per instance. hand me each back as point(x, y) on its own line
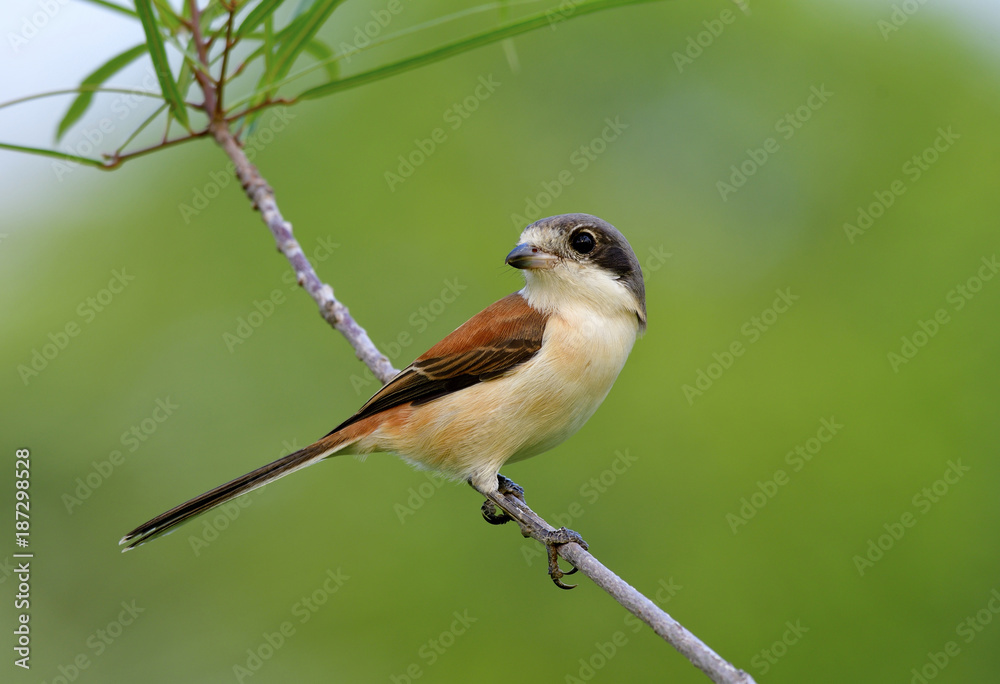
point(582, 242)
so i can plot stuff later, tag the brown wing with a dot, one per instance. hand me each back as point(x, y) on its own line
point(497, 339)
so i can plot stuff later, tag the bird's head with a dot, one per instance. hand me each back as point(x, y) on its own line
point(579, 258)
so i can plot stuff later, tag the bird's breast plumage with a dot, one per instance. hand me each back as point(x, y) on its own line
point(471, 433)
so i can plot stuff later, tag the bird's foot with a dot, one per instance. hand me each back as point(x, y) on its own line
point(495, 515)
point(553, 540)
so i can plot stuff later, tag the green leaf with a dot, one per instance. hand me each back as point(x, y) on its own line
point(291, 41)
point(268, 42)
point(113, 7)
point(324, 55)
point(158, 54)
point(76, 91)
point(96, 78)
point(167, 15)
point(135, 134)
point(509, 49)
point(529, 23)
point(210, 14)
point(266, 49)
point(55, 153)
point(295, 38)
point(185, 78)
point(256, 17)
point(301, 8)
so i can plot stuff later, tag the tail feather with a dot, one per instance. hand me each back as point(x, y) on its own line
point(167, 522)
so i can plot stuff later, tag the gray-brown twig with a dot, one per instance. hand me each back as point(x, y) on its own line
point(335, 313)
point(674, 633)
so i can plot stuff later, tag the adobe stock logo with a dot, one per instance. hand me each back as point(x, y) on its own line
point(913, 169)
point(958, 297)
point(431, 650)
point(87, 310)
point(455, 115)
point(924, 500)
point(901, 13)
point(768, 657)
point(590, 491)
point(969, 628)
point(87, 141)
point(603, 652)
point(31, 26)
point(697, 44)
point(788, 125)
point(364, 35)
point(752, 330)
point(419, 320)
point(797, 458)
point(202, 196)
point(536, 206)
point(101, 471)
point(304, 609)
point(97, 643)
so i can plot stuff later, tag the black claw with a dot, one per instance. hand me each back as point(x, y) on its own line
point(554, 571)
point(493, 515)
point(557, 538)
point(508, 487)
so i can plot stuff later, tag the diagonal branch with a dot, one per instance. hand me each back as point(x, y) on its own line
point(335, 313)
point(674, 633)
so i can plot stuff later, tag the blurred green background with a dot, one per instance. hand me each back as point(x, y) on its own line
point(862, 563)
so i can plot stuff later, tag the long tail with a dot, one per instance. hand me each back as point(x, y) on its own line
point(167, 522)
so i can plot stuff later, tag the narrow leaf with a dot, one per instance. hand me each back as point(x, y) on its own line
point(301, 8)
point(529, 23)
point(213, 11)
point(509, 49)
point(257, 16)
point(324, 55)
point(168, 16)
point(135, 134)
point(268, 42)
point(294, 42)
point(113, 7)
point(96, 78)
point(158, 54)
point(249, 122)
point(291, 41)
point(185, 78)
point(376, 42)
point(76, 91)
point(54, 153)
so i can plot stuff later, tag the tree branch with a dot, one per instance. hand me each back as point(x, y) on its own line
point(674, 633)
point(208, 86)
point(335, 313)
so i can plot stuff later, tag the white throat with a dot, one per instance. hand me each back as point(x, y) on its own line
point(570, 286)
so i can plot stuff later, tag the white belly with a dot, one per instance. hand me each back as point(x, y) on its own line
point(470, 434)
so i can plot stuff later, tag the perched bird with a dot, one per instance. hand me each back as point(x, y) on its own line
point(515, 380)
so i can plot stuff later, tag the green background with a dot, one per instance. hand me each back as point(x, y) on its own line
point(411, 560)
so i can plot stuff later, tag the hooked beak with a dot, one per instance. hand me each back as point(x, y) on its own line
point(526, 256)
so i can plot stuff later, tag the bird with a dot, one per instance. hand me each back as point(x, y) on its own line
point(512, 382)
